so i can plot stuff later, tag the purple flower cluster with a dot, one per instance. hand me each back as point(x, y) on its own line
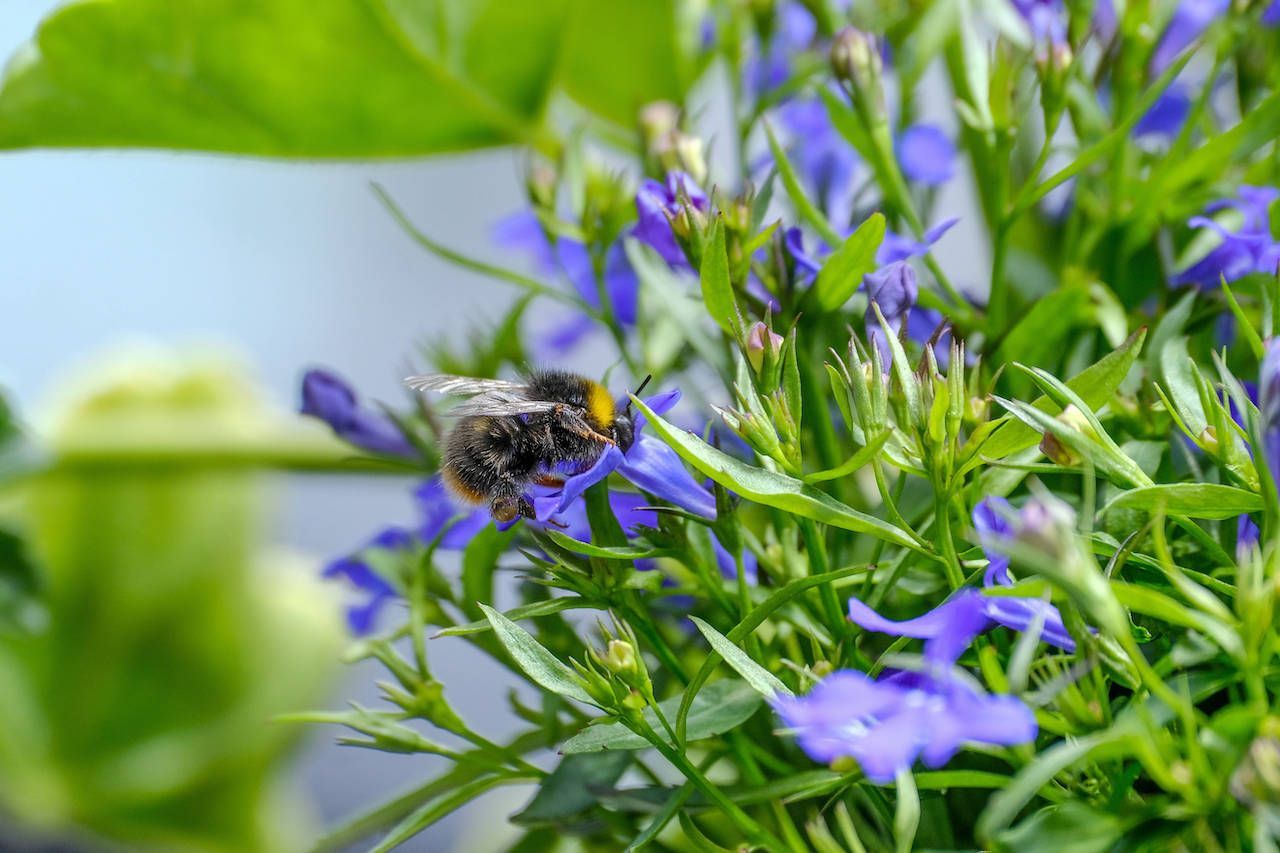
point(1248, 249)
point(885, 724)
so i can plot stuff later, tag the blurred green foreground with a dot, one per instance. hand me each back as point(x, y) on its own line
point(147, 636)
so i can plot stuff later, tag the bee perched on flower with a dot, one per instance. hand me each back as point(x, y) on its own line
point(514, 434)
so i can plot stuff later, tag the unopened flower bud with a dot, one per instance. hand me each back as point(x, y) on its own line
point(1058, 452)
point(855, 56)
point(540, 183)
point(619, 657)
point(759, 339)
point(822, 668)
point(976, 409)
point(678, 151)
point(657, 119)
point(1209, 439)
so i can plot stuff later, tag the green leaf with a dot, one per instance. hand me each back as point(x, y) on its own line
point(478, 564)
point(1095, 385)
point(622, 54)
point(854, 463)
point(1179, 375)
point(569, 790)
point(527, 611)
point(1073, 825)
point(763, 681)
point(842, 273)
point(589, 550)
point(1039, 334)
point(717, 289)
point(342, 78)
point(441, 807)
point(770, 488)
point(1191, 500)
point(719, 708)
point(540, 665)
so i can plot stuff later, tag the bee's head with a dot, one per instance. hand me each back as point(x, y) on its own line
point(624, 422)
point(624, 429)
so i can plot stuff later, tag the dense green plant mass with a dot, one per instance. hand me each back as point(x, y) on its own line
point(878, 558)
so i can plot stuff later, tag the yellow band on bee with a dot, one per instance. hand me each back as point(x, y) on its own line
point(600, 405)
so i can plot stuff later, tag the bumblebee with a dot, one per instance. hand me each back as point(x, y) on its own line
point(514, 434)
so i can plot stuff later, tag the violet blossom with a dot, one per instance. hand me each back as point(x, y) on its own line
point(926, 154)
point(357, 570)
point(329, 397)
point(885, 724)
point(656, 204)
point(1248, 249)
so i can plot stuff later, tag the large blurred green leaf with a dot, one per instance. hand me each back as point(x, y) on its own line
point(342, 78)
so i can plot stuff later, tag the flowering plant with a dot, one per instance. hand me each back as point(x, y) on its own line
point(900, 556)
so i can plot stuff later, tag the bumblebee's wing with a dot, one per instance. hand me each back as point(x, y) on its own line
point(502, 404)
point(464, 386)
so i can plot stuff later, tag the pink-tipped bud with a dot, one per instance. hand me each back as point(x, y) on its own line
point(759, 339)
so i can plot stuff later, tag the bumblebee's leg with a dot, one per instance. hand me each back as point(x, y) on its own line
point(551, 481)
point(572, 422)
point(508, 502)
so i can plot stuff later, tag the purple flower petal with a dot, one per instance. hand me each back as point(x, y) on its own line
point(1167, 114)
point(439, 511)
point(991, 521)
point(576, 484)
point(327, 396)
point(893, 288)
point(897, 247)
point(926, 154)
point(1269, 406)
point(362, 616)
point(1046, 19)
point(655, 467)
point(522, 232)
point(1019, 614)
point(1190, 19)
point(948, 629)
point(659, 404)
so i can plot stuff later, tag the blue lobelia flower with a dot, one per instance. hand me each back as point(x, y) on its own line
point(1271, 15)
point(898, 247)
point(1249, 249)
point(656, 203)
point(1167, 115)
point(1047, 20)
point(885, 724)
point(648, 464)
point(1190, 19)
point(894, 289)
point(926, 154)
point(357, 571)
point(327, 396)
point(990, 518)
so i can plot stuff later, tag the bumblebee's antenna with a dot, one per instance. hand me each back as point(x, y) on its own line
point(636, 393)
